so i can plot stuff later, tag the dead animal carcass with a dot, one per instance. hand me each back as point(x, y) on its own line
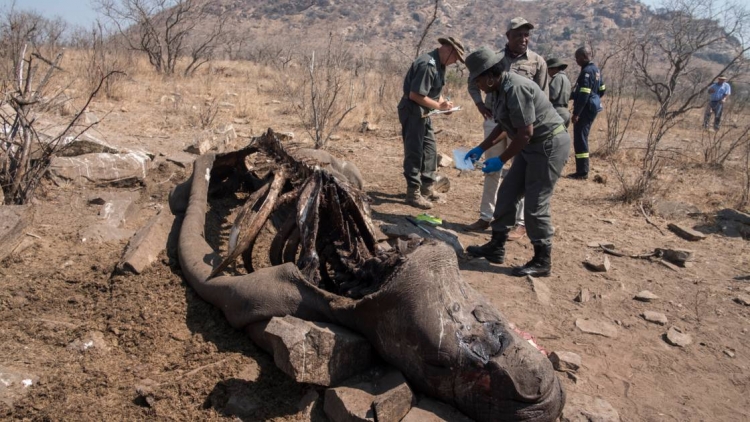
point(324, 264)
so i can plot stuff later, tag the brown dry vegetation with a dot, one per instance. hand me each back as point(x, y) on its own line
point(58, 287)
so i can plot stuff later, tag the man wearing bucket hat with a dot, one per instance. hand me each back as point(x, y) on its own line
point(423, 86)
point(539, 146)
point(718, 93)
point(517, 58)
point(559, 88)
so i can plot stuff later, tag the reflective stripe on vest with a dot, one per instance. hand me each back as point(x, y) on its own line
point(585, 90)
point(582, 155)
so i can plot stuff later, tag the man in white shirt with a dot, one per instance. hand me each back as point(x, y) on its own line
point(718, 93)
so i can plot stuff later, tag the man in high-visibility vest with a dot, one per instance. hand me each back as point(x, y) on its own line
point(586, 105)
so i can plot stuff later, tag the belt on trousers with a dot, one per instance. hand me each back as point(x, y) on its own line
point(558, 130)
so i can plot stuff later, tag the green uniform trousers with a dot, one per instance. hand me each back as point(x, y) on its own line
point(420, 147)
point(534, 172)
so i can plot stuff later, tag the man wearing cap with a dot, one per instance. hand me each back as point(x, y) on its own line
point(423, 86)
point(718, 93)
point(539, 146)
point(559, 88)
point(586, 105)
point(517, 58)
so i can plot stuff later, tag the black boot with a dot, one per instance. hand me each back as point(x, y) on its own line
point(494, 250)
point(539, 266)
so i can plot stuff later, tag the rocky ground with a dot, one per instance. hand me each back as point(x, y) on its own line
point(656, 341)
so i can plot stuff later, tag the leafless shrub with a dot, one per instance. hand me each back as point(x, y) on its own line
point(207, 113)
point(166, 30)
point(622, 92)
point(719, 146)
point(25, 156)
point(326, 93)
point(682, 30)
point(102, 56)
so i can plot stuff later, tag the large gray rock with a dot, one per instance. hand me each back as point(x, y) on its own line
point(101, 168)
point(14, 384)
point(429, 410)
point(686, 232)
point(674, 209)
point(86, 144)
point(317, 353)
point(384, 397)
point(676, 256)
point(734, 215)
point(144, 248)
point(600, 328)
point(13, 222)
point(583, 408)
point(676, 337)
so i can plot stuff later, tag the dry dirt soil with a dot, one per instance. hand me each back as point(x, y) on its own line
point(156, 332)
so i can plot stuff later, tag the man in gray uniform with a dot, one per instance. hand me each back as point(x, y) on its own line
point(559, 88)
point(517, 58)
point(423, 86)
point(540, 145)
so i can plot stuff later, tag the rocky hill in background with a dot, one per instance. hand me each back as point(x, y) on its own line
point(561, 25)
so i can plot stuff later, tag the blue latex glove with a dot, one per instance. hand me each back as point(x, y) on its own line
point(474, 155)
point(492, 165)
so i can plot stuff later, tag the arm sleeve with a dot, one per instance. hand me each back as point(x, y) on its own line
point(542, 77)
point(602, 87)
point(583, 92)
point(555, 90)
point(521, 106)
point(474, 92)
point(422, 80)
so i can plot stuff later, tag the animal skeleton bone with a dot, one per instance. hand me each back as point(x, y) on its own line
point(326, 265)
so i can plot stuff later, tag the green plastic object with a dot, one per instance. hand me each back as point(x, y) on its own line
point(429, 219)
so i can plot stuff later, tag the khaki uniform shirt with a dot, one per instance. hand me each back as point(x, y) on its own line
point(559, 90)
point(520, 102)
point(529, 65)
point(426, 76)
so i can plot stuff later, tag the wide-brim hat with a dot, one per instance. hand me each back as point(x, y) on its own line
point(722, 77)
point(555, 63)
point(479, 61)
point(457, 46)
point(519, 22)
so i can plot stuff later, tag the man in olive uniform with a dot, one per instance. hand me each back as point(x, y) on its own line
point(559, 88)
point(586, 105)
point(519, 59)
point(423, 86)
point(539, 147)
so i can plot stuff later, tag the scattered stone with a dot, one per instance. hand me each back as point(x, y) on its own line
point(583, 408)
point(147, 391)
point(676, 337)
point(201, 146)
point(116, 212)
point(655, 317)
point(645, 296)
point(442, 184)
point(686, 232)
point(182, 159)
point(742, 299)
point(734, 215)
point(675, 256)
point(317, 353)
point(15, 384)
point(444, 160)
point(729, 353)
point(601, 244)
point(673, 209)
point(565, 361)
point(601, 267)
point(104, 233)
point(93, 340)
point(429, 410)
point(600, 328)
point(583, 296)
point(381, 396)
point(600, 179)
point(181, 334)
point(13, 221)
point(542, 291)
point(306, 404)
point(334, 138)
point(144, 248)
point(669, 265)
point(116, 169)
point(86, 144)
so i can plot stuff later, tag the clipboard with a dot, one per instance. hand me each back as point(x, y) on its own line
point(438, 112)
